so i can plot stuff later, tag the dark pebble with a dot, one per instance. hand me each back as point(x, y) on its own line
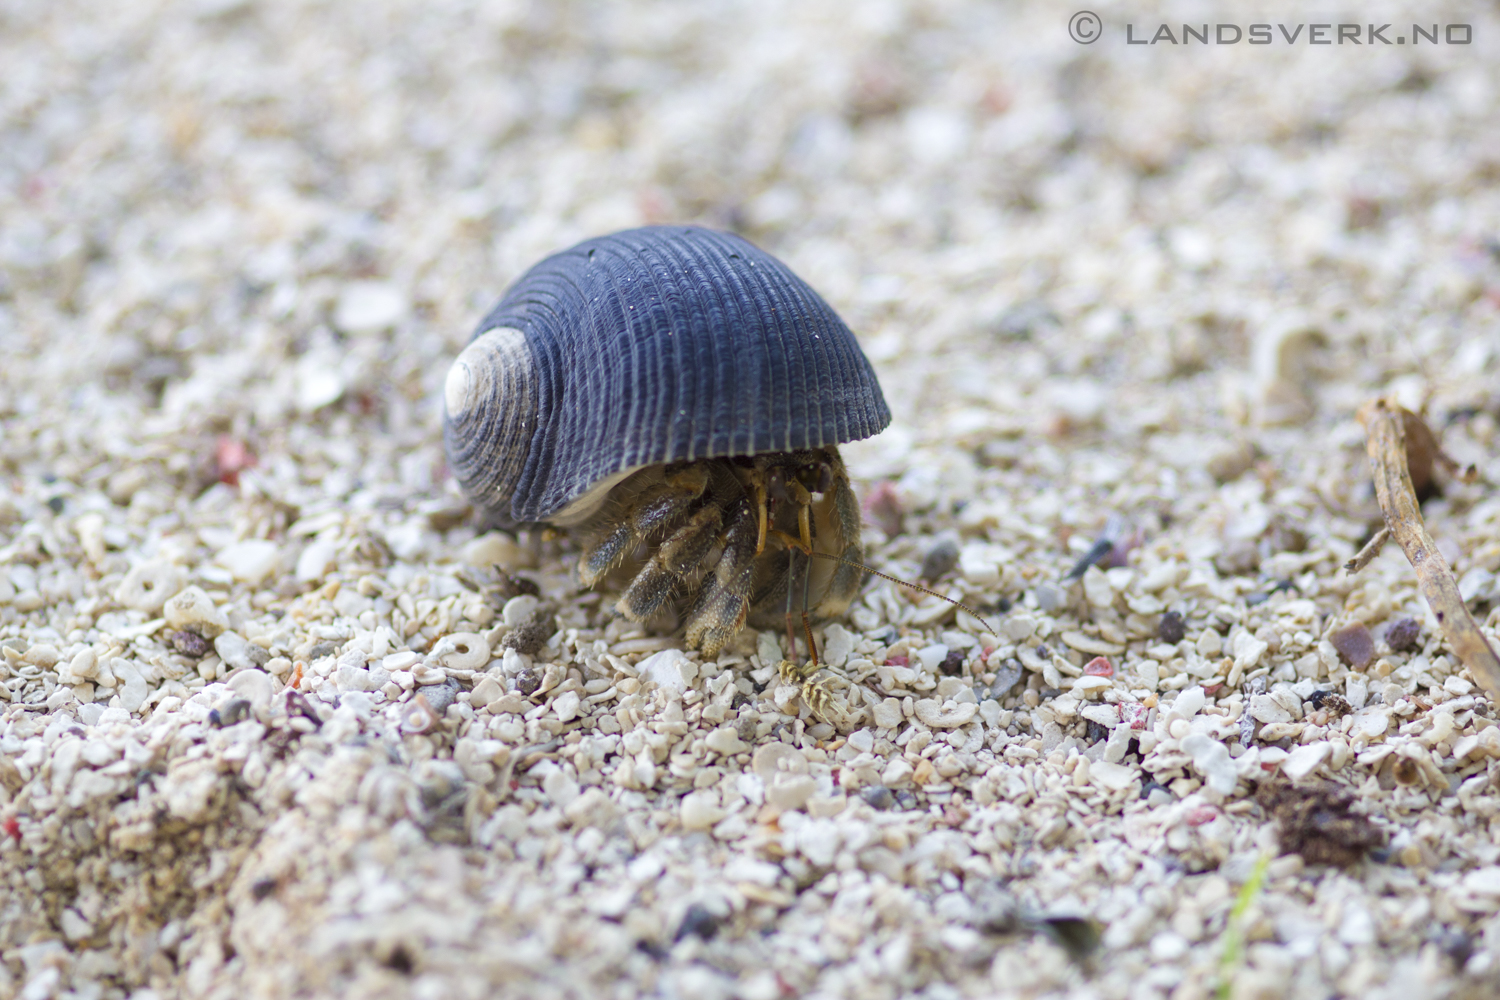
point(877, 797)
point(1006, 678)
point(698, 922)
point(747, 726)
point(321, 650)
point(1171, 629)
point(906, 800)
point(953, 663)
point(527, 681)
point(298, 705)
point(55, 504)
point(1097, 731)
point(1024, 319)
point(1077, 936)
point(440, 696)
point(1355, 644)
point(1403, 634)
point(231, 714)
point(262, 887)
point(400, 960)
point(1454, 943)
point(1100, 549)
point(191, 644)
point(1150, 785)
point(941, 558)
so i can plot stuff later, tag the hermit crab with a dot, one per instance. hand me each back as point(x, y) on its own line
point(679, 396)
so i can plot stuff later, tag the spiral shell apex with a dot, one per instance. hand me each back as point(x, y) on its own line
point(650, 346)
point(490, 405)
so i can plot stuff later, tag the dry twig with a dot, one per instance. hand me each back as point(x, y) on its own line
point(1387, 426)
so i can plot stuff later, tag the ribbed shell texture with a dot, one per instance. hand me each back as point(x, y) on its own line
point(673, 343)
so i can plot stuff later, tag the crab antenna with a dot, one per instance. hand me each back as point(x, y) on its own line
point(912, 586)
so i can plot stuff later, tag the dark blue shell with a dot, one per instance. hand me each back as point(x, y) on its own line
point(664, 344)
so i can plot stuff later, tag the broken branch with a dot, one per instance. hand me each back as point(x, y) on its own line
point(1386, 424)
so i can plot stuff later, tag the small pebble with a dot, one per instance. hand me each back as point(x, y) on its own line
point(1211, 759)
point(369, 307)
point(494, 549)
point(932, 657)
point(888, 714)
point(1007, 676)
point(566, 706)
point(877, 797)
point(232, 713)
point(43, 655)
point(698, 922)
point(1099, 666)
point(790, 792)
point(133, 692)
point(1355, 644)
point(1018, 627)
point(883, 508)
point(939, 559)
point(699, 811)
point(251, 561)
point(192, 610)
point(317, 560)
point(1403, 634)
point(1171, 629)
point(518, 609)
point(838, 643)
point(670, 669)
point(529, 636)
point(190, 644)
point(953, 663)
point(725, 741)
point(1050, 597)
point(239, 654)
point(527, 681)
point(774, 759)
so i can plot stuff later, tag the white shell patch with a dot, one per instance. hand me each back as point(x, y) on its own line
point(472, 377)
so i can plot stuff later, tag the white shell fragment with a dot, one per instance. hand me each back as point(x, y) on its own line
point(369, 307)
point(251, 561)
point(255, 686)
point(191, 608)
point(147, 586)
point(669, 669)
point(462, 651)
point(317, 559)
point(940, 715)
point(518, 609)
